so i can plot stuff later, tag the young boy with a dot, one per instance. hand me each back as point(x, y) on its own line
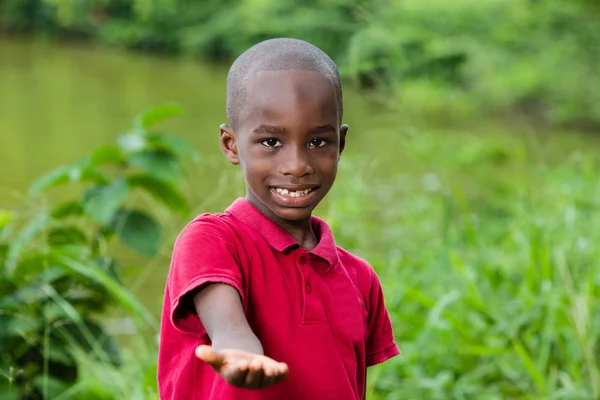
point(260, 303)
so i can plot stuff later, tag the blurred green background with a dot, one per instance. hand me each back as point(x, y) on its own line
point(470, 182)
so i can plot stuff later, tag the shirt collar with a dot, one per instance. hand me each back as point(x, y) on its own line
point(278, 238)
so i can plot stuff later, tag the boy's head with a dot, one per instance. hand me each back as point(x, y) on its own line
point(284, 106)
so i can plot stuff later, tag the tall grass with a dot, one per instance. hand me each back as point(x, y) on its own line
point(489, 261)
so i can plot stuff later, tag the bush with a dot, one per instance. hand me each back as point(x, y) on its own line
point(56, 275)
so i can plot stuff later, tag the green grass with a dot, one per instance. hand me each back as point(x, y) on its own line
point(489, 260)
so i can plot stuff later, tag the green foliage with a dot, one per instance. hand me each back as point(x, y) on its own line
point(487, 255)
point(519, 57)
point(56, 277)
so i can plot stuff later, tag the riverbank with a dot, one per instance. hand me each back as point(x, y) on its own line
point(504, 58)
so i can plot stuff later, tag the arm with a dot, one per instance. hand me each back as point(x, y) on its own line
point(236, 353)
point(220, 310)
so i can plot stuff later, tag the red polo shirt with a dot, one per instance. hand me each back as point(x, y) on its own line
point(322, 311)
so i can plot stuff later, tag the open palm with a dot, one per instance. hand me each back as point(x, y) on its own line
point(242, 369)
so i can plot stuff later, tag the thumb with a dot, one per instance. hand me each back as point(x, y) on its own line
point(210, 356)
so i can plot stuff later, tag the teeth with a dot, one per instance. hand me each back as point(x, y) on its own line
point(291, 193)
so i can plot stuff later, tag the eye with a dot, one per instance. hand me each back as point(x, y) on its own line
point(317, 142)
point(271, 143)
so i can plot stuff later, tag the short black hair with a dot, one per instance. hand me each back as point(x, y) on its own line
point(275, 55)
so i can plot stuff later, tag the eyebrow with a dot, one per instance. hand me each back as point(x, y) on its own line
point(269, 129)
point(272, 129)
point(323, 129)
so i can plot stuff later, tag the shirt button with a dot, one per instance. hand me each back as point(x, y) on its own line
point(308, 288)
point(302, 260)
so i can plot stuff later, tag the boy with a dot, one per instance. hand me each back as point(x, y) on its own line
point(260, 297)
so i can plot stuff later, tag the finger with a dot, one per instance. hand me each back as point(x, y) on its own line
point(281, 372)
point(255, 374)
point(210, 356)
point(269, 374)
point(235, 374)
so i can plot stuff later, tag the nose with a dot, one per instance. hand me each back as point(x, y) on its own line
point(296, 162)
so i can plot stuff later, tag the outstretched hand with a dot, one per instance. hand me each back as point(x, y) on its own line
point(242, 369)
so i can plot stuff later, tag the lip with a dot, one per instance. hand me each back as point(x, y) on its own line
point(298, 202)
point(295, 187)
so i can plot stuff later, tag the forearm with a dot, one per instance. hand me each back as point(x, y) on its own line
point(220, 310)
point(236, 337)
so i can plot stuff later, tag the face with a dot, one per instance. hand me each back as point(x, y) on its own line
point(288, 142)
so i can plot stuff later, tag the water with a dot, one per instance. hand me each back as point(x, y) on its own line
point(58, 102)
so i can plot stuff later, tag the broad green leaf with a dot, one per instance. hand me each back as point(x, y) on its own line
point(78, 172)
point(67, 209)
point(138, 230)
point(101, 202)
point(162, 191)
point(174, 144)
point(132, 142)
point(20, 326)
point(106, 155)
point(157, 163)
point(66, 235)
point(59, 176)
point(30, 294)
point(156, 115)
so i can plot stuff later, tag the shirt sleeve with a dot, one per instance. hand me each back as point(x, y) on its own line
point(380, 345)
point(203, 253)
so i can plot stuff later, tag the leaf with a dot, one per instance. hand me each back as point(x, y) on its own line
point(60, 355)
point(67, 209)
point(50, 386)
point(20, 326)
point(138, 230)
point(30, 294)
point(174, 144)
point(92, 272)
point(92, 339)
point(157, 114)
point(6, 217)
point(106, 155)
point(8, 389)
point(132, 142)
point(101, 202)
point(162, 191)
point(110, 266)
point(32, 229)
point(66, 235)
point(78, 172)
point(157, 163)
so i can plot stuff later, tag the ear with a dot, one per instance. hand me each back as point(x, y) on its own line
point(343, 132)
point(229, 144)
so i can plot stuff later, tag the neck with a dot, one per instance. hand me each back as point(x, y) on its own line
point(301, 230)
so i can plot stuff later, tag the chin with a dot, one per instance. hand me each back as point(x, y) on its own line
point(292, 214)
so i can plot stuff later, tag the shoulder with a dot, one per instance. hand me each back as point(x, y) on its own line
point(206, 228)
point(365, 275)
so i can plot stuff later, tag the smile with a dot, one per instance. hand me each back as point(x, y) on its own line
point(293, 193)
